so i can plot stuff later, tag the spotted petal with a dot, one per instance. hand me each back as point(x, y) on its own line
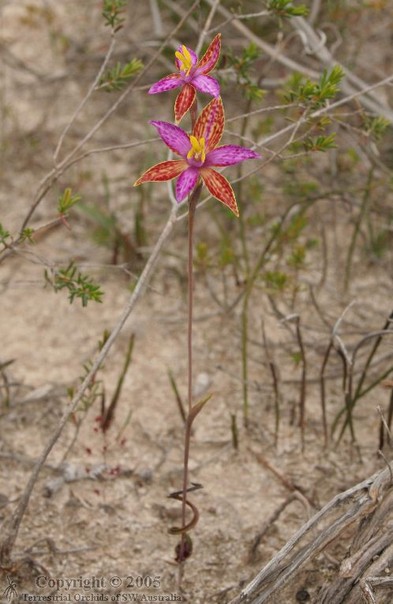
point(229, 155)
point(220, 188)
point(174, 137)
point(186, 182)
point(206, 84)
point(170, 82)
point(166, 170)
point(210, 124)
point(211, 56)
point(184, 100)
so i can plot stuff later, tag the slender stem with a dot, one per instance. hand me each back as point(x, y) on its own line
point(190, 272)
point(193, 200)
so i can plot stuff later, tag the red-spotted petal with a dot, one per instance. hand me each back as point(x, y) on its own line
point(171, 81)
point(184, 100)
point(166, 170)
point(210, 124)
point(220, 188)
point(211, 56)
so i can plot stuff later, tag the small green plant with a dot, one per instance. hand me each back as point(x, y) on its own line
point(117, 77)
point(376, 126)
point(276, 281)
point(66, 201)
point(320, 143)
point(27, 235)
point(314, 94)
point(78, 285)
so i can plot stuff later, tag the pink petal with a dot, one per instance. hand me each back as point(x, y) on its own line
point(166, 170)
point(194, 58)
point(210, 124)
point(184, 101)
point(220, 188)
point(211, 56)
point(174, 137)
point(170, 82)
point(186, 182)
point(206, 84)
point(229, 155)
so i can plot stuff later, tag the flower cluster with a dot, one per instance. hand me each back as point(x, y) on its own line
point(199, 151)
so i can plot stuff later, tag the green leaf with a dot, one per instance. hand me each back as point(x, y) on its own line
point(67, 200)
point(197, 407)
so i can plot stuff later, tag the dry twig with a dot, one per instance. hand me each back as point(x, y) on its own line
point(366, 505)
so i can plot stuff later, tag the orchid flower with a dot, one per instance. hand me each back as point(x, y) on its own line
point(199, 151)
point(191, 76)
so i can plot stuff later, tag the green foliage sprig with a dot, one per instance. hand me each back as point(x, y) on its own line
point(66, 201)
point(27, 235)
point(78, 285)
point(315, 94)
point(320, 143)
point(4, 235)
point(285, 8)
point(117, 77)
point(112, 11)
point(243, 67)
point(376, 126)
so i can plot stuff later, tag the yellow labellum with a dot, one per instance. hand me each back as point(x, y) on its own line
point(197, 150)
point(185, 59)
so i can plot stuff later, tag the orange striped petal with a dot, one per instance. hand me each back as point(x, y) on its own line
point(211, 56)
point(184, 100)
point(210, 124)
point(166, 170)
point(220, 188)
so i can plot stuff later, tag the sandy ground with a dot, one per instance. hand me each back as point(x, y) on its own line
point(99, 515)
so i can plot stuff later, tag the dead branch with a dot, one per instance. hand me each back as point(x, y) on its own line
point(366, 506)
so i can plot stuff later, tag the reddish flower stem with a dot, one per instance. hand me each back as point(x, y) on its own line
point(193, 200)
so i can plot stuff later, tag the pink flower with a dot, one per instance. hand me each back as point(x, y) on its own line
point(191, 76)
point(199, 151)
